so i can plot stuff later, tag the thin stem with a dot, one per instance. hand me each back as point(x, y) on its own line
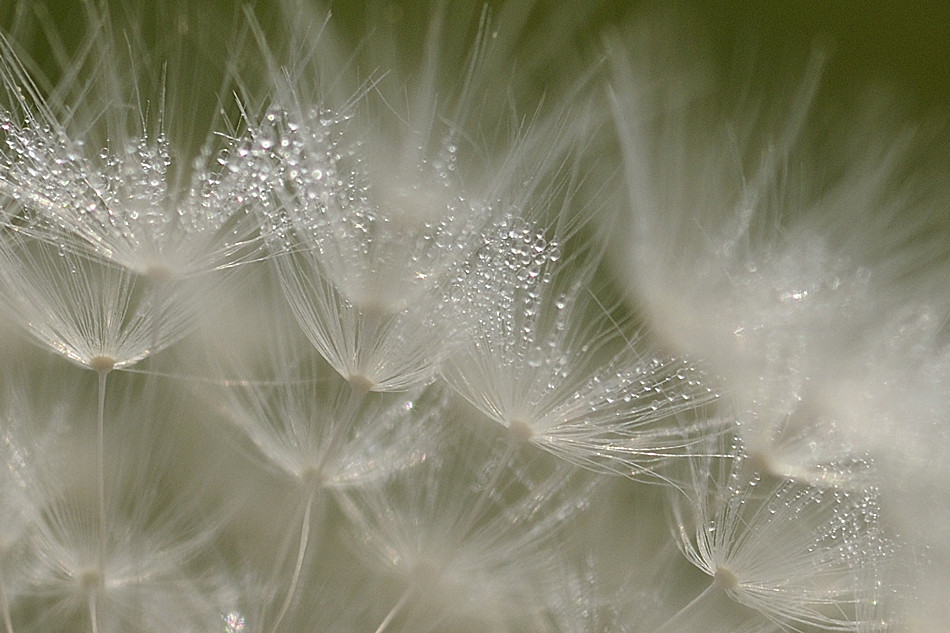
point(100, 475)
point(298, 566)
point(5, 606)
point(469, 520)
point(370, 322)
point(479, 506)
point(339, 425)
point(395, 610)
point(345, 415)
point(159, 283)
point(714, 586)
point(93, 614)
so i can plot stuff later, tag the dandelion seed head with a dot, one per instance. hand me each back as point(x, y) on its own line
point(771, 353)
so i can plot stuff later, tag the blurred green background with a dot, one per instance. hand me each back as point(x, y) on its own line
point(900, 44)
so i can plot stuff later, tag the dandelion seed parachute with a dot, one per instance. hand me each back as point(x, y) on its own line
point(131, 200)
point(107, 240)
point(147, 569)
point(83, 308)
point(468, 536)
point(800, 555)
point(311, 427)
point(777, 273)
point(382, 206)
point(366, 257)
point(547, 360)
point(799, 256)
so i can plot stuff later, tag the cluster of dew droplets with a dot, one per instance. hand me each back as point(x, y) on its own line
point(43, 171)
point(507, 276)
point(202, 220)
point(547, 334)
point(371, 234)
point(124, 191)
point(133, 191)
point(855, 529)
point(785, 293)
point(530, 321)
point(843, 523)
point(298, 154)
point(225, 185)
point(120, 203)
point(422, 225)
point(844, 544)
point(649, 386)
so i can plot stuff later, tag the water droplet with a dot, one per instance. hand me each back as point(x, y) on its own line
point(233, 622)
